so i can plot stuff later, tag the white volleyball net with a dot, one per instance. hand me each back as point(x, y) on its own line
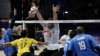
point(91, 26)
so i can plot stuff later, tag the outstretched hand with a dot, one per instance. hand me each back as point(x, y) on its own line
point(33, 9)
point(55, 8)
point(15, 11)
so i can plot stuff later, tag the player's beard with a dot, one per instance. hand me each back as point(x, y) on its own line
point(51, 26)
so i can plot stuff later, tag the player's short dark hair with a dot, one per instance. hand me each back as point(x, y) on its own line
point(72, 33)
point(24, 33)
point(80, 30)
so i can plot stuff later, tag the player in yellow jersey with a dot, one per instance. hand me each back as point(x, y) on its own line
point(23, 44)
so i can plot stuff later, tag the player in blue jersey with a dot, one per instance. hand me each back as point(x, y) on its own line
point(83, 44)
point(5, 38)
point(71, 34)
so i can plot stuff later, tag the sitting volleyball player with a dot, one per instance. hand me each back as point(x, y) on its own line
point(63, 39)
point(83, 44)
point(23, 44)
point(6, 38)
point(72, 33)
point(51, 34)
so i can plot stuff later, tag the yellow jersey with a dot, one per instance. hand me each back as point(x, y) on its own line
point(23, 44)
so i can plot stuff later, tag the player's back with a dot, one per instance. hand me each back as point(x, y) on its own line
point(23, 44)
point(83, 44)
point(66, 46)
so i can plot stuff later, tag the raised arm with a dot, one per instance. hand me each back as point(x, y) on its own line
point(34, 10)
point(13, 19)
point(55, 10)
point(9, 30)
point(39, 15)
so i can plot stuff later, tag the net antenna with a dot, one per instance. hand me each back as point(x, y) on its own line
point(24, 26)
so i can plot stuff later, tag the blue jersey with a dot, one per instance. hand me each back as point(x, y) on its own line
point(83, 45)
point(7, 50)
point(66, 47)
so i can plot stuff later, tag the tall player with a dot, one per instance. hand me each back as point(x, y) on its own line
point(83, 44)
point(51, 33)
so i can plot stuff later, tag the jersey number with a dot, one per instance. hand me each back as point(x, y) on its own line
point(49, 34)
point(23, 45)
point(66, 47)
point(82, 45)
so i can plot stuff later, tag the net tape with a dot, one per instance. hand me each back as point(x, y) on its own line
point(57, 21)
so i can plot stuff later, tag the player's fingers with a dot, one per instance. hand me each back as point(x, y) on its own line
point(58, 7)
point(53, 5)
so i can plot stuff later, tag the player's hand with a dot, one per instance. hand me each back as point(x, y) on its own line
point(32, 12)
point(15, 11)
point(55, 8)
point(34, 9)
point(46, 43)
point(61, 41)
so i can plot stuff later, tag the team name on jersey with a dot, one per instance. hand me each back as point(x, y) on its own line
point(81, 38)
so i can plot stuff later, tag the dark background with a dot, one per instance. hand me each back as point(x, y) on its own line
point(77, 9)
